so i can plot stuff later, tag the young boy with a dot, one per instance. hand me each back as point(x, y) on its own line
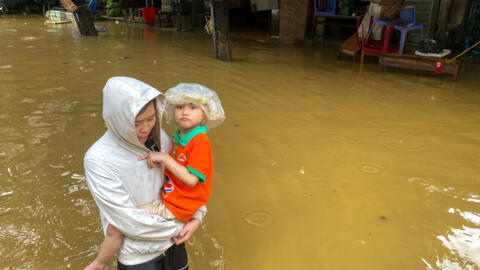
point(189, 168)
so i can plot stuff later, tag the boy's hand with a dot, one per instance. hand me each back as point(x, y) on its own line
point(187, 232)
point(152, 158)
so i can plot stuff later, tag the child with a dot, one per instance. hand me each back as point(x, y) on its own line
point(189, 168)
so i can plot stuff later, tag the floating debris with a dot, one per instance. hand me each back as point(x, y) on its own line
point(69, 106)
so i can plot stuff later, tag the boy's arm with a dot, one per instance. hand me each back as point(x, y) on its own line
point(180, 171)
point(177, 169)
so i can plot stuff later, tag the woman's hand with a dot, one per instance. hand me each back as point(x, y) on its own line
point(187, 232)
point(96, 266)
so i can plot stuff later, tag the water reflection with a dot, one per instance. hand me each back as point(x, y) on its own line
point(463, 249)
point(315, 166)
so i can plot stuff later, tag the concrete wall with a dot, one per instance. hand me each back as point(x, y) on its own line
point(293, 20)
point(458, 13)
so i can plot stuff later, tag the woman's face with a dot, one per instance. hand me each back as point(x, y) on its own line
point(144, 123)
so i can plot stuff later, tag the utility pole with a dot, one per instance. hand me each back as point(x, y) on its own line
point(221, 30)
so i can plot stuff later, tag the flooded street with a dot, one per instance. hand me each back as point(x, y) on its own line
point(316, 166)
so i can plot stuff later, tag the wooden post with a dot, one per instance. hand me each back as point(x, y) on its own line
point(221, 30)
point(442, 21)
point(198, 14)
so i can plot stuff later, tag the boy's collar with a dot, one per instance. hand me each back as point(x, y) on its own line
point(183, 141)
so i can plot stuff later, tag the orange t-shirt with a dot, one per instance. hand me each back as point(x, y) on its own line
point(193, 151)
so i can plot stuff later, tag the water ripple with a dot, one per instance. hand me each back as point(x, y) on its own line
point(259, 218)
point(370, 168)
point(451, 192)
point(6, 193)
point(464, 244)
point(400, 141)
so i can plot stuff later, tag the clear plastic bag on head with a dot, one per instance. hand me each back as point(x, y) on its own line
point(199, 95)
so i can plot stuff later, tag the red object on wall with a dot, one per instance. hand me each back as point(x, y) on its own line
point(438, 67)
point(148, 14)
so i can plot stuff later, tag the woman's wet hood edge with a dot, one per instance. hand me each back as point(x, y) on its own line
point(123, 98)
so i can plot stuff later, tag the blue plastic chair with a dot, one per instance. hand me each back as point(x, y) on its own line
point(330, 9)
point(407, 23)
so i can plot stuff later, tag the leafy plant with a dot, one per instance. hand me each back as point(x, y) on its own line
point(114, 9)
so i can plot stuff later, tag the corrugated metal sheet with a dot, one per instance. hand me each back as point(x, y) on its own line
point(258, 5)
point(235, 3)
point(426, 15)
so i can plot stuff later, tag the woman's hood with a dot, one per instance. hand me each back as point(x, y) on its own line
point(123, 98)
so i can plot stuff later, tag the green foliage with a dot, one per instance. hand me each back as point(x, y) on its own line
point(114, 9)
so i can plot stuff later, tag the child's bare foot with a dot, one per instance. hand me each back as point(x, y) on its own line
point(96, 266)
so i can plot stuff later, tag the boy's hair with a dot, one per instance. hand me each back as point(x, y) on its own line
point(199, 95)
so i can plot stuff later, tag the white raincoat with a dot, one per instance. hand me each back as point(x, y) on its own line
point(119, 182)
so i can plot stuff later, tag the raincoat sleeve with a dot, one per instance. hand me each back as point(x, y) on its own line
point(200, 214)
point(119, 210)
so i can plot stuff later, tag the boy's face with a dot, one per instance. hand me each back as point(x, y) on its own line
point(144, 123)
point(188, 116)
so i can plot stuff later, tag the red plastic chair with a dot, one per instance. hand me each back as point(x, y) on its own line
point(383, 46)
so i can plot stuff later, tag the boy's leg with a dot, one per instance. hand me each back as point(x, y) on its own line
point(158, 208)
point(111, 244)
point(147, 207)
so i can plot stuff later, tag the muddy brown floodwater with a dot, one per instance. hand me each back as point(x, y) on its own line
point(316, 166)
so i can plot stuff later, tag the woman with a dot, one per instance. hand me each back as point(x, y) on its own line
point(119, 182)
